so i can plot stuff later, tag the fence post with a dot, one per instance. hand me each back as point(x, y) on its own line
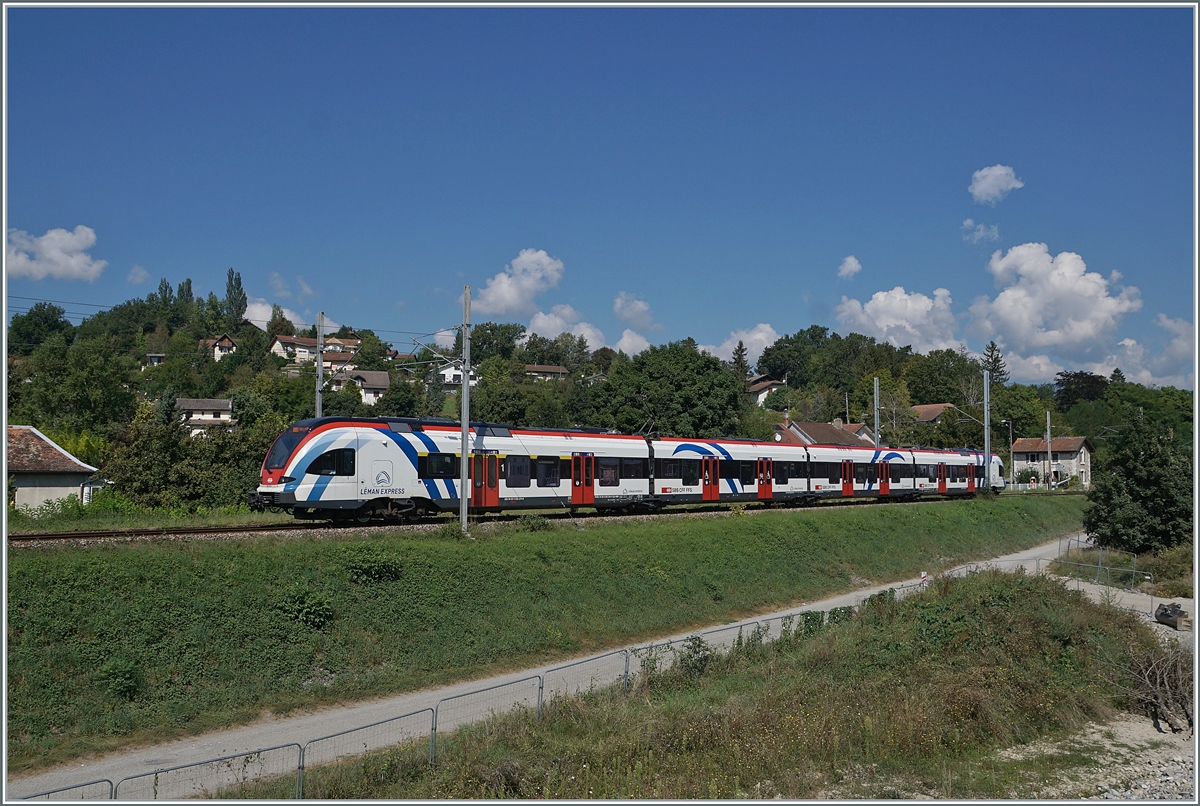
point(433, 736)
point(300, 774)
point(541, 686)
point(625, 681)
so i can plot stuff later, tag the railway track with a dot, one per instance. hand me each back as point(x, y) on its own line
point(414, 524)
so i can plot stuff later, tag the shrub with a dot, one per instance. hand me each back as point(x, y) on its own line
point(367, 564)
point(120, 677)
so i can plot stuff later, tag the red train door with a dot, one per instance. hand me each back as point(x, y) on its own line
point(847, 478)
point(583, 479)
point(766, 478)
point(485, 480)
point(941, 477)
point(710, 480)
point(971, 478)
point(885, 478)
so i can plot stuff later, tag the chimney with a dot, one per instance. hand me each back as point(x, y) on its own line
point(837, 421)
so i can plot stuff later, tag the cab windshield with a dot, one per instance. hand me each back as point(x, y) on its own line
point(287, 441)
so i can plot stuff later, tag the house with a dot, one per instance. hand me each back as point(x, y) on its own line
point(799, 433)
point(860, 430)
point(219, 347)
point(40, 471)
point(371, 383)
point(451, 376)
point(931, 412)
point(761, 386)
point(1069, 456)
point(154, 360)
point(202, 413)
point(546, 372)
point(303, 350)
point(337, 361)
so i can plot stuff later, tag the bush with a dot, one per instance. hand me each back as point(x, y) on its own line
point(310, 608)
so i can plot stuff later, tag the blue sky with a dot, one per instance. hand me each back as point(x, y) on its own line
point(932, 177)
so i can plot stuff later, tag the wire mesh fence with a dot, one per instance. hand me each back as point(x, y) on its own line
point(450, 712)
point(590, 674)
point(397, 730)
point(101, 789)
point(227, 776)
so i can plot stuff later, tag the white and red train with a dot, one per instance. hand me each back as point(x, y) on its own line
point(364, 468)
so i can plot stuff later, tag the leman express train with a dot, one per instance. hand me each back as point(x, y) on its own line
point(343, 468)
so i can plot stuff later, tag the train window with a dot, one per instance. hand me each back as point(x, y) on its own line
point(338, 462)
point(282, 449)
point(782, 472)
point(438, 466)
point(548, 471)
point(517, 468)
point(729, 469)
point(669, 469)
point(690, 472)
point(607, 472)
point(400, 428)
point(749, 472)
point(633, 468)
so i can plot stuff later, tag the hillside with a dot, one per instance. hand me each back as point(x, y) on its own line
point(120, 644)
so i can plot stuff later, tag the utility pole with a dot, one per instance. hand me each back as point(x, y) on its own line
point(320, 358)
point(987, 428)
point(465, 397)
point(876, 412)
point(1047, 449)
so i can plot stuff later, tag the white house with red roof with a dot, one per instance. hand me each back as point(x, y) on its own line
point(40, 471)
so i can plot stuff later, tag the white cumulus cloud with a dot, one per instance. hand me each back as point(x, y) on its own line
point(850, 266)
point(445, 338)
point(1051, 304)
point(902, 319)
point(1172, 365)
point(631, 343)
point(628, 308)
point(755, 339)
point(1034, 369)
point(59, 254)
point(258, 311)
point(990, 185)
point(512, 290)
point(137, 275)
point(974, 233)
point(565, 319)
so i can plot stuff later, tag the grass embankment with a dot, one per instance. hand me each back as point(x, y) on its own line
point(910, 699)
point(109, 510)
point(112, 645)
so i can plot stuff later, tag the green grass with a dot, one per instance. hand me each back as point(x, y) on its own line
point(109, 510)
point(912, 698)
point(117, 644)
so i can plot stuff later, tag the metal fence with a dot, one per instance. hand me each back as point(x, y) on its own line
point(92, 790)
point(229, 776)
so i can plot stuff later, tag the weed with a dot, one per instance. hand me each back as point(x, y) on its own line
point(532, 523)
point(308, 607)
point(694, 656)
point(120, 677)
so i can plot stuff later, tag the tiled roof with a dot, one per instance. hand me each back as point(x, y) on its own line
point(202, 403)
point(547, 369)
point(374, 378)
point(1060, 444)
point(827, 434)
point(758, 386)
point(31, 451)
point(930, 411)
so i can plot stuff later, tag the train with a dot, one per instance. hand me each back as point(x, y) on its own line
point(394, 468)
